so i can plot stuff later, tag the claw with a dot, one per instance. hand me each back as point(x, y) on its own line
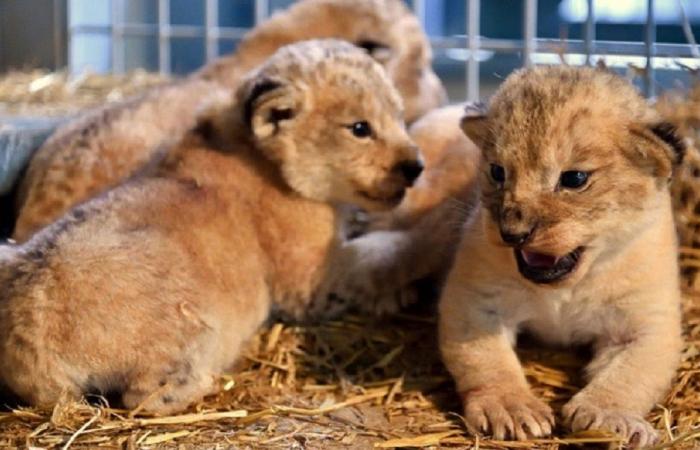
point(582, 415)
point(508, 414)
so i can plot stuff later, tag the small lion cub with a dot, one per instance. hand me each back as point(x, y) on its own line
point(151, 290)
point(573, 242)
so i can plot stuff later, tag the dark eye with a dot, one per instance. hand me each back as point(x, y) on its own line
point(498, 173)
point(361, 129)
point(573, 179)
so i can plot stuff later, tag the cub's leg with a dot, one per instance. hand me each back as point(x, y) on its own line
point(168, 392)
point(627, 376)
point(477, 348)
point(376, 271)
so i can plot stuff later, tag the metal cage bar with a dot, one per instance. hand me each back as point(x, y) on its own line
point(262, 10)
point(589, 34)
point(529, 31)
point(117, 31)
point(473, 44)
point(649, 43)
point(688, 30)
point(138, 29)
point(211, 28)
point(164, 36)
point(472, 41)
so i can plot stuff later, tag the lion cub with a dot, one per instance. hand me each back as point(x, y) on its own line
point(103, 148)
point(151, 289)
point(573, 242)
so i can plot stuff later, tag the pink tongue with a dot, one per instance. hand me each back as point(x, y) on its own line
point(538, 259)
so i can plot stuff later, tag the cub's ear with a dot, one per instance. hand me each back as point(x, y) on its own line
point(661, 148)
point(669, 134)
point(475, 124)
point(267, 103)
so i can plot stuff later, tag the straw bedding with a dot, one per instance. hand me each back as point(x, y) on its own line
point(358, 382)
point(54, 93)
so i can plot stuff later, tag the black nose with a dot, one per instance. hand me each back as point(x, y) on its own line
point(515, 239)
point(410, 170)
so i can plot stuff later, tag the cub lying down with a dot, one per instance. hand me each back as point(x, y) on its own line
point(151, 288)
point(573, 242)
point(105, 147)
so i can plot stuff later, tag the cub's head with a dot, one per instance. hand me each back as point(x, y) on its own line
point(393, 36)
point(575, 164)
point(386, 29)
point(327, 115)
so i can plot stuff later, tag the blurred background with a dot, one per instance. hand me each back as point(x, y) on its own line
point(476, 43)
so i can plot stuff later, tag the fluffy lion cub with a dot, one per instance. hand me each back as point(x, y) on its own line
point(573, 242)
point(100, 150)
point(150, 289)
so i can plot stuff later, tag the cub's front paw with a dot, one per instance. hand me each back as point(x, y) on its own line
point(345, 291)
point(386, 303)
point(582, 414)
point(507, 413)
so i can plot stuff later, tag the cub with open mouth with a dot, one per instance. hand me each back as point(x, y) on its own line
point(574, 242)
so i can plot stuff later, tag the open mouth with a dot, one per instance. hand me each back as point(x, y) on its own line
point(545, 269)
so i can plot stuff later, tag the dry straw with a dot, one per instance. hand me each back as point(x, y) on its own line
point(357, 382)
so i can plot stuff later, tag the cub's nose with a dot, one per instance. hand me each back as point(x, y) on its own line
point(515, 239)
point(410, 170)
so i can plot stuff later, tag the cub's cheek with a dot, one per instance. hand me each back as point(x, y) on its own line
point(494, 237)
point(491, 231)
point(561, 238)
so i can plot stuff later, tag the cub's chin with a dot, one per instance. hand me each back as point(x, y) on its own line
point(541, 268)
point(376, 202)
point(369, 203)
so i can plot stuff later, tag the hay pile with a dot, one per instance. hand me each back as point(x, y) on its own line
point(361, 383)
point(355, 383)
point(53, 93)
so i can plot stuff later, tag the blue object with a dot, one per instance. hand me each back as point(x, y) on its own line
point(20, 137)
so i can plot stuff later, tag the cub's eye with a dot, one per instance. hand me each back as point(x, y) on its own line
point(498, 173)
point(573, 179)
point(361, 129)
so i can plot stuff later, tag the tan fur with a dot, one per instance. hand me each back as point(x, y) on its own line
point(451, 162)
point(103, 148)
point(423, 231)
point(152, 288)
point(623, 297)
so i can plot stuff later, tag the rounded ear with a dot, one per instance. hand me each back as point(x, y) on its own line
point(268, 102)
point(475, 124)
point(669, 135)
point(660, 146)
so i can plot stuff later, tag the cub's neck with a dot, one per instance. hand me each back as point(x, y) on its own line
point(296, 234)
